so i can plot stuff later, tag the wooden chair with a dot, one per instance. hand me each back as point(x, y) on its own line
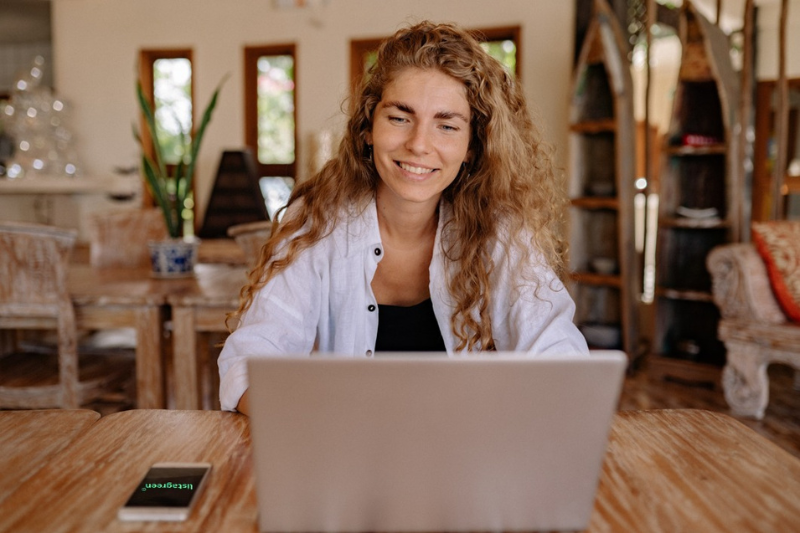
point(34, 262)
point(250, 237)
point(119, 238)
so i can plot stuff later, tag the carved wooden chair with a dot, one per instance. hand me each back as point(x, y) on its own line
point(119, 238)
point(34, 262)
point(754, 328)
point(251, 237)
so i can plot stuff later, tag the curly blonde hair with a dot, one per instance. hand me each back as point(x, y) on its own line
point(508, 190)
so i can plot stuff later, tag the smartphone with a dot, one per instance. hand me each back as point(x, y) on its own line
point(167, 492)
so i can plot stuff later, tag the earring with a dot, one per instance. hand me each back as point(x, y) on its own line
point(463, 167)
point(369, 153)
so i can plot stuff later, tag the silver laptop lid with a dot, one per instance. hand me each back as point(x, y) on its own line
point(409, 443)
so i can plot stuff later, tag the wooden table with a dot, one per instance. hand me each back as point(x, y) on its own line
point(694, 470)
point(29, 438)
point(671, 470)
point(222, 251)
point(119, 297)
point(108, 298)
point(200, 310)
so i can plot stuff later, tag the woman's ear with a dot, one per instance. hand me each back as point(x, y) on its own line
point(368, 137)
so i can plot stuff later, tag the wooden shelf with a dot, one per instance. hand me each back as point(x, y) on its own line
point(600, 280)
point(693, 223)
point(596, 202)
point(594, 126)
point(687, 295)
point(695, 176)
point(660, 366)
point(710, 149)
point(36, 185)
point(603, 161)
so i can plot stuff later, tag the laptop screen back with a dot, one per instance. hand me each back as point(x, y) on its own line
point(410, 443)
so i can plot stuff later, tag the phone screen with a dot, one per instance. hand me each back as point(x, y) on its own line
point(165, 487)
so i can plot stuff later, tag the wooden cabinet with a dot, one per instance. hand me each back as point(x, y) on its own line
point(605, 278)
point(700, 200)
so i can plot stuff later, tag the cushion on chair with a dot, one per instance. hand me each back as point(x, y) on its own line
point(778, 243)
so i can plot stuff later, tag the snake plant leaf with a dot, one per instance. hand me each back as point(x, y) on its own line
point(181, 181)
point(198, 137)
point(171, 191)
point(160, 194)
point(150, 120)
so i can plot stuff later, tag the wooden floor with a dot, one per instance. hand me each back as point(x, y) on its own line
point(781, 422)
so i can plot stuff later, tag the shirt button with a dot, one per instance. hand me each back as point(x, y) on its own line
point(370, 308)
point(369, 353)
point(378, 251)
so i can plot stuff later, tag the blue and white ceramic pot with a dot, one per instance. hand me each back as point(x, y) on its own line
point(173, 258)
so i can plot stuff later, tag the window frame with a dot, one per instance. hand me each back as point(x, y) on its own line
point(147, 59)
point(251, 55)
point(360, 47)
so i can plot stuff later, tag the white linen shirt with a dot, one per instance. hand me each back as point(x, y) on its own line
point(325, 295)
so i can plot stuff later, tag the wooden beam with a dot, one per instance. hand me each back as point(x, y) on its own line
point(745, 111)
point(781, 120)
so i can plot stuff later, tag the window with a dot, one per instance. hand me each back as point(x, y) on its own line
point(166, 77)
point(501, 43)
point(270, 109)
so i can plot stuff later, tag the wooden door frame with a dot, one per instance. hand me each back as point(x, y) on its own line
point(147, 57)
point(251, 55)
point(360, 47)
point(764, 123)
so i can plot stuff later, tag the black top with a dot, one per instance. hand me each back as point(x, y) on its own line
point(408, 329)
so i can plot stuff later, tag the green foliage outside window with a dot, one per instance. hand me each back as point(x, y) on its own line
point(503, 51)
point(276, 109)
point(172, 90)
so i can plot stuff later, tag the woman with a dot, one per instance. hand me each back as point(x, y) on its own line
point(434, 228)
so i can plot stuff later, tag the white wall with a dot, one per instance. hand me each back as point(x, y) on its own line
point(96, 44)
point(768, 25)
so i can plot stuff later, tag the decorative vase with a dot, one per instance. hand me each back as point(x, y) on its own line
point(173, 258)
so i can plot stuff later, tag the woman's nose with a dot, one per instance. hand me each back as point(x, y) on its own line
point(419, 141)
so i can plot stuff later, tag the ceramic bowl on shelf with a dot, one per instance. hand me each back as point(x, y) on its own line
point(603, 265)
point(693, 212)
point(601, 335)
point(601, 188)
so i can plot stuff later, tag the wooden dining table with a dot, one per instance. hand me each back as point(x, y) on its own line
point(107, 298)
point(198, 311)
point(664, 471)
point(28, 439)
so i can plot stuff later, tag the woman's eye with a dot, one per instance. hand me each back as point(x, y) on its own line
point(448, 127)
point(398, 120)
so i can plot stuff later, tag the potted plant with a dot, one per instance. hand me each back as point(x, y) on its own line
point(170, 188)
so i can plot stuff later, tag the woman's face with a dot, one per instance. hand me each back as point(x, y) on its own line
point(420, 136)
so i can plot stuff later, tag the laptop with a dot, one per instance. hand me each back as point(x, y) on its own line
point(410, 442)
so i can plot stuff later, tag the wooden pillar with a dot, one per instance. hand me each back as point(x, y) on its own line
point(781, 121)
point(745, 112)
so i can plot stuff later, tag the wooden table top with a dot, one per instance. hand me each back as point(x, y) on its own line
point(214, 283)
point(29, 438)
point(694, 470)
point(220, 251)
point(670, 470)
